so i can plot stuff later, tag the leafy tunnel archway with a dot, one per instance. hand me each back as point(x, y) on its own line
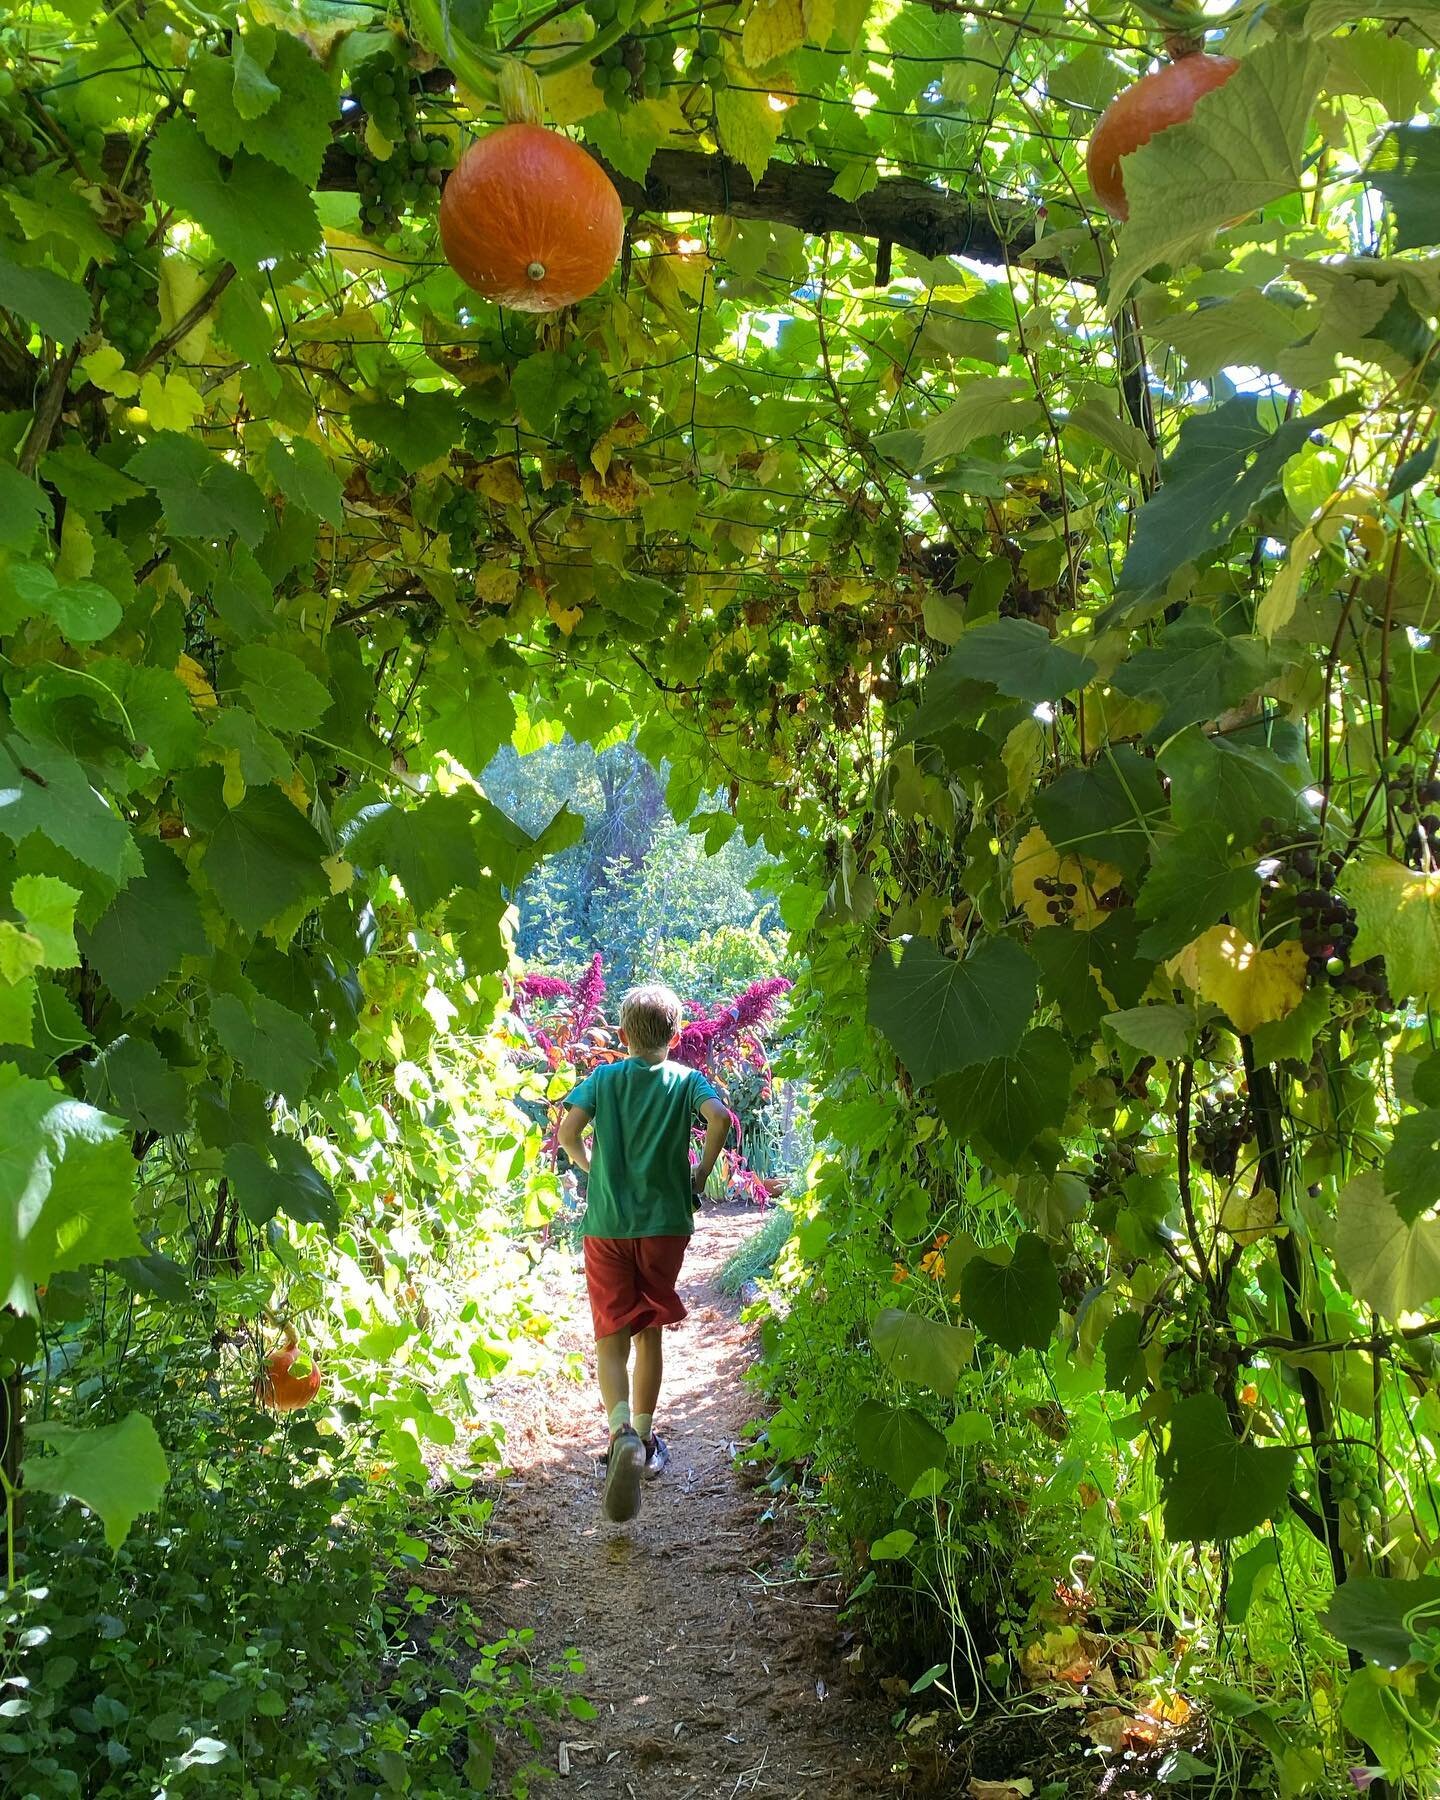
point(1052, 600)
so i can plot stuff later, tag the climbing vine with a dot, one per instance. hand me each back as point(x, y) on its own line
point(1052, 599)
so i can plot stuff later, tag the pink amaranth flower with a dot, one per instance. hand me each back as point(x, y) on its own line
point(589, 992)
point(542, 987)
point(703, 1037)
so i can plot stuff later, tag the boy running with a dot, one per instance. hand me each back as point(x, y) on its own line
point(640, 1211)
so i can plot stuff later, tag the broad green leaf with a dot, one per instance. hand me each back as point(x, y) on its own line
point(898, 1442)
point(1066, 978)
point(1105, 812)
point(119, 1471)
point(283, 692)
point(1242, 148)
point(66, 1182)
point(1125, 1354)
point(203, 495)
point(1219, 781)
point(1016, 1302)
point(280, 1178)
point(1166, 1032)
point(59, 307)
point(47, 905)
point(1017, 657)
point(1195, 879)
point(893, 1546)
point(1388, 1264)
point(418, 431)
point(131, 1078)
point(1215, 1486)
point(86, 482)
point(44, 791)
point(24, 508)
point(986, 406)
point(1406, 169)
point(1195, 671)
point(264, 859)
point(433, 849)
point(275, 1047)
point(1248, 330)
point(1008, 1101)
point(83, 611)
point(1398, 912)
point(941, 1014)
point(747, 126)
point(1225, 462)
point(927, 1351)
point(1369, 1613)
point(300, 470)
point(1412, 1164)
point(147, 929)
point(1094, 415)
point(251, 210)
point(1247, 1573)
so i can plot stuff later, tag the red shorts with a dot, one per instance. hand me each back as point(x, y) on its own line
point(632, 1282)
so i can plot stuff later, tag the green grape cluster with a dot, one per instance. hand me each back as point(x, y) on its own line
point(19, 151)
point(705, 64)
point(634, 68)
point(460, 519)
point(590, 409)
point(130, 294)
point(505, 344)
point(410, 178)
point(387, 476)
point(87, 140)
point(1353, 1476)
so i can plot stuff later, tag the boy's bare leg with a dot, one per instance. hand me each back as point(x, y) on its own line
point(649, 1368)
point(612, 1358)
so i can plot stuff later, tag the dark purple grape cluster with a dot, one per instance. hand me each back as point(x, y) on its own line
point(1223, 1127)
point(1414, 799)
point(1059, 897)
point(1328, 927)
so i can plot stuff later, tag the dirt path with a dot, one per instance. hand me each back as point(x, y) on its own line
point(709, 1682)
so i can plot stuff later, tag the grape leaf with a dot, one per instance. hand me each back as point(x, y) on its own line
point(252, 210)
point(1406, 170)
point(24, 508)
point(281, 689)
point(66, 1181)
point(263, 859)
point(46, 791)
point(898, 1442)
point(1242, 148)
point(203, 495)
point(986, 406)
point(1224, 462)
point(1105, 812)
point(1017, 1302)
point(60, 307)
point(416, 432)
point(941, 1014)
point(1250, 985)
point(284, 1180)
point(1019, 658)
point(926, 1351)
point(1369, 1613)
point(1195, 671)
point(1007, 1102)
point(47, 906)
point(1398, 914)
point(1193, 881)
point(1412, 1164)
point(130, 1077)
point(1388, 1264)
point(299, 469)
point(1215, 1486)
point(119, 1471)
point(273, 1046)
point(147, 929)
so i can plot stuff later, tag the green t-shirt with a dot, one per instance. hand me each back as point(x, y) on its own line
point(640, 1164)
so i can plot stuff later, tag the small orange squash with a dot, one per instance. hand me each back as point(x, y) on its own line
point(530, 220)
point(277, 1388)
point(1154, 103)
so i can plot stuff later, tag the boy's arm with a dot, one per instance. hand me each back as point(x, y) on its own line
point(717, 1129)
point(570, 1136)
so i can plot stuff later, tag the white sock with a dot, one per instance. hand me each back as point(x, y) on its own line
point(619, 1416)
point(643, 1423)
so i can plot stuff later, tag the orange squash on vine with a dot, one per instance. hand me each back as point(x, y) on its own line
point(530, 220)
point(1153, 104)
point(280, 1390)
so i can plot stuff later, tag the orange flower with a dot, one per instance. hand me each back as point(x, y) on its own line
point(900, 1273)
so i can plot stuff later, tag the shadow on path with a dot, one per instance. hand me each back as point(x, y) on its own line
point(708, 1681)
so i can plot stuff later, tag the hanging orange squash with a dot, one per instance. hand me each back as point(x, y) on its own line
point(530, 220)
point(1133, 117)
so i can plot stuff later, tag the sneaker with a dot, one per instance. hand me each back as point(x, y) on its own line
point(623, 1465)
point(657, 1457)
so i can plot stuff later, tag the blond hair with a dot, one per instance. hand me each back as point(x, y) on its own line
point(650, 1017)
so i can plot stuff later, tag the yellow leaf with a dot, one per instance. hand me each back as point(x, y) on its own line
point(197, 684)
point(1021, 756)
point(1036, 861)
point(619, 491)
point(566, 617)
point(1398, 911)
point(181, 285)
point(497, 584)
point(500, 481)
point(1251, 986)
point(233, 788)
point(1278, 607)
point(172, 403)
point(77, 548)
point(572, 95)
point(746, 122)
point(358, 253)
point(341, 873)
point(295, 790)
point(773, 28)
point(106, 368)
point(1249, 1217)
